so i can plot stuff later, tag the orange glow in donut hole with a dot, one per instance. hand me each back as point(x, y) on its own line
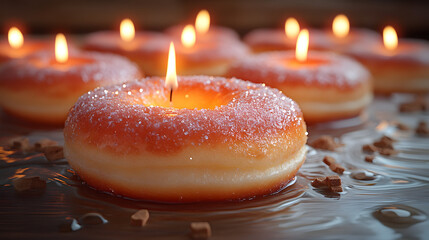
point(189, 97)
point(188, 36)
point(15, 37)
point(341, 26)
point(291, 28)
point(127, 30)
point(390, 38)
point(61, 50)
point(202, 22)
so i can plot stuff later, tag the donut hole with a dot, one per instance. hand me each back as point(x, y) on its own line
point(189, 98)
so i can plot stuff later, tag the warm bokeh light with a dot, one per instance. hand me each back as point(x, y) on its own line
point(15, 37)
point(61, 50)
point(291, 28)
point(202, 22)
point(390, 38)
point(171, 77)
point(341, 26)
point(302, 45)
point(188, 36)
point(127, 30)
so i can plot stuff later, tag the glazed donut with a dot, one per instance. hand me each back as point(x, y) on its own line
point(328, 87)
point(405, 69)
point(36, 88)
point(220, 139)
point(147, 49)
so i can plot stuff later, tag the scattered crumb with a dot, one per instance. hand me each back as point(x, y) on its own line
point(335, 167)
point(328, 160)
point(369, 158)
point(200, 230)
point(20, 144)
point(384, 146)
point(417, 105)
point(53, 153)
point(325, 142)
point(401, 126)
point(319, 182)
point(369, 148)
point(39, 145)
point(331, 182)
point(140, 217)
point(28, 183)
point(422, 129)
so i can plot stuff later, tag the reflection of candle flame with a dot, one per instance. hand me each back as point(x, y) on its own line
point(341, 26)
point(171, 77)
point(390, 38)
point(61, 50)
point(302, 45)
point(291, 28)
point(127, 30)
point(202, 22)
point(15, 37)
point(188, 36)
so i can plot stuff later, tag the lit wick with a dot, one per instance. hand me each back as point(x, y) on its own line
point(171, 77)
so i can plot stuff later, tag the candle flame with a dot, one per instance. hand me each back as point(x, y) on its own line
point(127, 30)
point(341, 26)
point(171, 77)
point(188, 36)
point(291, 28)
point(390, 38)
point(202, 22)
point(15, 37)
point(61, 50)
point(302, 45)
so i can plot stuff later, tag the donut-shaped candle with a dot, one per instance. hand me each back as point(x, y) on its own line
point(396, 67)
point(218, 139)
point(205, 31)
point(325, 85)
point(42, 87)
point(146, 49)
point(338, 40)
point(16, 47)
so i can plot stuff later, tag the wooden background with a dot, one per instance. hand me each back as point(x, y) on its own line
point(411, 18)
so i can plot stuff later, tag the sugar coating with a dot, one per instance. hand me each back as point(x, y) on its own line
point(272, 68)
point(112, 119)
point(41, 70)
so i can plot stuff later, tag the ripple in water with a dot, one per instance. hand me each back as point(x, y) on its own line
point(399, 216)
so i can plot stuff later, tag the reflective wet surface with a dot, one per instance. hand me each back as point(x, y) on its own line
point(385, 199)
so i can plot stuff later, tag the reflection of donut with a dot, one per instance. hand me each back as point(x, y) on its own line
point(326, 87)
point(222, 139)
point(39, 89)
point(405, 69)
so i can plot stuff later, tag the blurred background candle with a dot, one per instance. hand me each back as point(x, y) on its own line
point(146, 48)
point(397, 65)
point(16, 46)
